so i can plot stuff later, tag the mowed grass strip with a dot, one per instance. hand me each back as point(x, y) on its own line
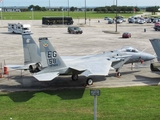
point(130, 103)
point(76, 15)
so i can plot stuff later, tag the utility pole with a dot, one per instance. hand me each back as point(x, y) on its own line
point(68, 7)
point(85, 11)
point(49, 5)
point(116, 15)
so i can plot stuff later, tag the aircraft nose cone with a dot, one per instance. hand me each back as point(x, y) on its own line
point(152, 57)
point(147, 57)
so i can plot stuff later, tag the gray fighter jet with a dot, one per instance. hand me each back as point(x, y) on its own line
point(46, 64)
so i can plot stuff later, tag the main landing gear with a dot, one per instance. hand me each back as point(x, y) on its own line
point(89, 81)
point(75, 77)
point(118, 74)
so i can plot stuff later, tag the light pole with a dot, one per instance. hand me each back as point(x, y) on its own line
point(85, 11)
point(116, 15)
point(49, 5)
point(62, 17)
point(68, 8)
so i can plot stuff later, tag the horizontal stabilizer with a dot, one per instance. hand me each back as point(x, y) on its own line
point(46, 76)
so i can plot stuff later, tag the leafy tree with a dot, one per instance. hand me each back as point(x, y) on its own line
point(97, 9)
point(152, 9)
point(114, 8)
point(104, 10)
point(31, 7)
point(124, 9)
point(88, 9)
point(59, 9)
point(72, 9)
point(37, 8)
point(130, 9)
point(43, 9)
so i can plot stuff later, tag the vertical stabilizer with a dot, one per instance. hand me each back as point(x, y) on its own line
point(156, 46)
point(31, 50)
point(49, 55)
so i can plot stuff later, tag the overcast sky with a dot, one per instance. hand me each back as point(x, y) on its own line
point(80, 3)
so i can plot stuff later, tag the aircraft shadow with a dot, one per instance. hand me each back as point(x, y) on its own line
point(9, 33)
point(147, 80)
point(28, 86)
point(122, 38)
point(63, 94)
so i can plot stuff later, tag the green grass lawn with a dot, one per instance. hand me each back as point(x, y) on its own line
point(38, 15)
point(130, 103)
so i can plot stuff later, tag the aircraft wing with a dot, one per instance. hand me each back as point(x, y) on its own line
point(46, 76)
point(91, 65)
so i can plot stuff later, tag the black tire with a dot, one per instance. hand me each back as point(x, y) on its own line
point(75, 77)
point(89, 81)
point(118, 74)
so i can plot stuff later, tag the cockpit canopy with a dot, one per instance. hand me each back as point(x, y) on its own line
point(128, 49)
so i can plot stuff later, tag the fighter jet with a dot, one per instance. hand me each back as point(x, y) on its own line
point(156, 46)
point(46, 64)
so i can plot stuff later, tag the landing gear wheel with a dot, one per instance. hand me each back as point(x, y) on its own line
point(89, 81)
point(118, 74)
point(74, 77)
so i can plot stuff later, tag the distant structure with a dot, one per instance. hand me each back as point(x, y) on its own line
point(12, 9)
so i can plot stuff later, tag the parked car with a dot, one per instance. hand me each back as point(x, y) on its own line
point(149, 20)
point(119, 21)
point(141, 21)
point(157, 24)
point(126, 35)
point(137, 20)
point(106, 18)
point(74, 30)
point(155, 20)
point(110, 21)
point(131, 20)
point(157, 28)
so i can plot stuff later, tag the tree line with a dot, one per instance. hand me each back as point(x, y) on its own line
point(34, 8)
point(119, 9)
point(106, 9)
point(153, 9)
